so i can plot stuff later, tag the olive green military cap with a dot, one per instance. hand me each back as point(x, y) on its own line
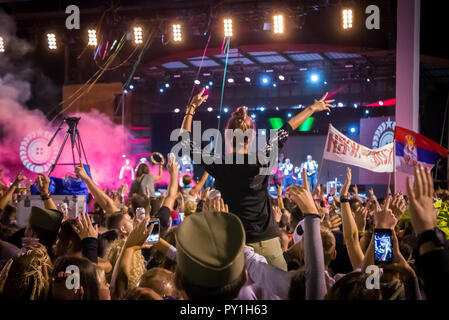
point(46, 219)
point(210, 248)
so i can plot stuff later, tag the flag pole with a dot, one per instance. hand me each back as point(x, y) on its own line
point(394, 165)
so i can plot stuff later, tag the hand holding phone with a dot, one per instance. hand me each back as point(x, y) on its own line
point(383, 246)
point(155, 232)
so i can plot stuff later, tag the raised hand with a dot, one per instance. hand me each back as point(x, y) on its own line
point(204, 194)
point(277, 214)
point(80, 172)
point(84, 227)
point(356, 190)
point(385, 219)
point(422, 213)
point(138, 235)
point(345, 189)
point(172, 165)
point(322, 104)
point(399, 263)
point(198, 99)
point(302, 196)
point(19, 178)
point(279, 191)
point(43, 183)
point(333, 223)
point(398, 205)
point(217, 204)
point(360, 218)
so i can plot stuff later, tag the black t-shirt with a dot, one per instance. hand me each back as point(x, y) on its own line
point(245, 190)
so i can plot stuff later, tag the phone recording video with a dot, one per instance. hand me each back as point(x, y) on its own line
point(383, 247)
point(154, 235)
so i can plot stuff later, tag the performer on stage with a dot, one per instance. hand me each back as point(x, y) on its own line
point(287, 170)
point(311, 167)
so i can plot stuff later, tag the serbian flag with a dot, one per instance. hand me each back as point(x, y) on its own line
point(413, 148)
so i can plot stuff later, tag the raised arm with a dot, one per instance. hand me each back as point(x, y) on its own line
point(159, 176)
point(10, 191)
point(350, 232)
point(190, 111)
point(43, 183)
point(319, 105)
point(106, 203)
point(313, 246)
point(194, 191)
point(172, 167)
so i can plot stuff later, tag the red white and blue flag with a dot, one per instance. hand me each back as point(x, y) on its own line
point(413, 149)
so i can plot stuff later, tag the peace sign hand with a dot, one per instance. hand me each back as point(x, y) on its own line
point(322, 104)
point(198, 99)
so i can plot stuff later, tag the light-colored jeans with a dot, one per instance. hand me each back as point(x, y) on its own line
point(272, 251)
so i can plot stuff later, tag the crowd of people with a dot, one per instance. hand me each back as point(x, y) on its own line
point(231, 242)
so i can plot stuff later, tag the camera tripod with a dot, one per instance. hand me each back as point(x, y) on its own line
point(75, 140)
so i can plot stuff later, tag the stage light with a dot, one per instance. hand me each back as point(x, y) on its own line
point(275, 85)
point(368, 80)
point(218, 117)
point(176, 76)
point(207, 87)
point(381, 103)
point(138, 35)
point(177, 36)
point(352, 130)
point(314, 77)
point(2, 45)
point(51, 38)
point(281, 77)
point(253, 116)
point(228, 27)
point(276, 123)
point(340, 104)
point(355, 105)
point(327, 113)
point(131, 87)
point(325, 82)
point(92, 37)
point(231, 80)
point(307, 124)
point(302, 69)
point(278, 22)
point(125, 91)
point(123, 155)
point(265, 80)
point(210, 109)
point(197, 82)
point(366, 111)
point(161, 90)
point(211, 83)
point(176, 110)
point(347, 18)
point(167, 85)
point(261, 108)
point(289, 115)
point(277, 108)
point(225, 110)
point(247, 79)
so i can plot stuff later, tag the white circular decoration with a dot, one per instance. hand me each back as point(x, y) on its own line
point(384, 134)
point(35, 153)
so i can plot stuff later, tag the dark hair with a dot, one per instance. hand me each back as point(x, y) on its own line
point(88, 277)
point(113, 220)
point(297, 289)
point(194, 292)
point(353, 287)
point(155, 205)
point(8, 212)
point(139, 201)
point(142, 169)
point(105, 239)
point(186, 179)
point(46, 237)
point(66, 234)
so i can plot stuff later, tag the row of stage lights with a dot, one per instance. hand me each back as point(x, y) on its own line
point(278, 28)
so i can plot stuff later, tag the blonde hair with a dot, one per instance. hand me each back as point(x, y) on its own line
point(29, 275)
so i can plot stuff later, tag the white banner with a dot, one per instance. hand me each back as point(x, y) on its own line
point(340, 148)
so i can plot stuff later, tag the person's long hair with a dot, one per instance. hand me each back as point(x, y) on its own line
point(240, 120)
point(142, 169)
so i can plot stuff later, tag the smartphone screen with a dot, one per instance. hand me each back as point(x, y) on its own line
point(154, 235)
point(383, 247)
